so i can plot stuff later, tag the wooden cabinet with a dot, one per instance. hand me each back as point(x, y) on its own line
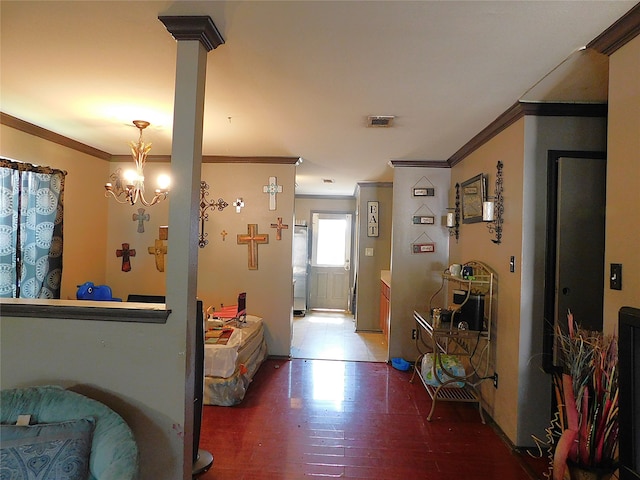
point(385, 308)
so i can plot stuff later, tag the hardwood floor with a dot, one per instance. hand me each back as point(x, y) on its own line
point(344, 419)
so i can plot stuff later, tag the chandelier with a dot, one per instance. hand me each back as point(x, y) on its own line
point(131, 182)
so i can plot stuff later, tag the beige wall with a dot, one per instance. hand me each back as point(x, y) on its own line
point(368, 268)
point(623, 181)
point(223, 263)
point(415, 277)
point(85, 229)
point(521, 404)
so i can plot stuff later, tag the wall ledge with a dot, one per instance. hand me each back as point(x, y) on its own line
point(85, 310)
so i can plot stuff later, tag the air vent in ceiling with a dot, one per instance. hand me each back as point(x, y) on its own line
point(328, 180)
point(383, 121)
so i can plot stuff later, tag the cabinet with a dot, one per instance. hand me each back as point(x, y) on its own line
point(447, 337)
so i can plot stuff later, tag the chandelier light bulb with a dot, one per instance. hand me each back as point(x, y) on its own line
point(133, 180)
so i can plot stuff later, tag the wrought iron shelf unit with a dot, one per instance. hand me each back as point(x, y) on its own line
point(472, 347)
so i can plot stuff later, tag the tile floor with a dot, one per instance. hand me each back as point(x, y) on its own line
point(346, 419)
point(328, 335)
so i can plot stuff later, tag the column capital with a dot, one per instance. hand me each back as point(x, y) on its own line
point(199, 28)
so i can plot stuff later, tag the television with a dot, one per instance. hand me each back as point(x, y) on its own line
point(629, 391)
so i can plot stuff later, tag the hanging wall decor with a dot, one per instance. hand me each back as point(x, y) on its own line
point(205, 205)
point(126, 253)
point(423, 244)
point(373, 229)
point(239, 204)
point(252, 239)
point(272, 189)
point(423, 188)
point(423, 216)
point(141, 217)
point(159, 249)
point(224, 234)
point(279, 227)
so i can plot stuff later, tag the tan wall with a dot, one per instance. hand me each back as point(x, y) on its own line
point(222, 264)
point(623, 181)
point(521, 404)
point(415, 277)
point(85, 208)
point(368, 268)
point(475, 244)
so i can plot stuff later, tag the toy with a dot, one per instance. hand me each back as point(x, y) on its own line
point(89, 291)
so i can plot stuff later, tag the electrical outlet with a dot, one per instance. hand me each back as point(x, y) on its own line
point(495, 380)
point(414, 334)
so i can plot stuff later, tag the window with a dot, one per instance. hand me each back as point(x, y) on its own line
point(331, 239)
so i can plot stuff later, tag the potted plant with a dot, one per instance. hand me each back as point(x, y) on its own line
point(586, 388)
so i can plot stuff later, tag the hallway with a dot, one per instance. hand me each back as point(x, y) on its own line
point(357, 420)
point(330, 335)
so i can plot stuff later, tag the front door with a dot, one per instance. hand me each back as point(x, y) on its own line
point(330, 261)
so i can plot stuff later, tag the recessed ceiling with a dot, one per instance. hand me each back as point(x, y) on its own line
point(296, 79)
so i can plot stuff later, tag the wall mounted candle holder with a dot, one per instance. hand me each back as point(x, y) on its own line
point(453, 217)
point(493, 209)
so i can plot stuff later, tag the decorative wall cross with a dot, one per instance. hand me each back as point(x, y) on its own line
point(252, 239)
point(141, 217)
point(224, 234)
point(238, 204)
point(272, 189)
point(159, 249)
point(279, 227)
point(204, 206)
point(126, 253)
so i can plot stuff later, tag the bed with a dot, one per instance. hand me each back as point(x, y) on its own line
point(232, 355)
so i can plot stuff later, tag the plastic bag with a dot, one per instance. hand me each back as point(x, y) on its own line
point(450, 362)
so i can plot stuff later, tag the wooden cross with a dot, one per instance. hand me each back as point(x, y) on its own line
point(126, 253)
point(141, 217)
point(252, 239)
point(159, 249)
point(272, 189)
point(224, 234)
point(238, 204)
point(279, 227)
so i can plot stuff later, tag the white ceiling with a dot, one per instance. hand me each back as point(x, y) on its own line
point(298, 78)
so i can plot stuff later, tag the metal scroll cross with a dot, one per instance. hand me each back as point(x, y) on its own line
point(252, 239)
point(126, 253)
point(141, 217)
point(159, 249)
point(272, 189)
point(279, 227)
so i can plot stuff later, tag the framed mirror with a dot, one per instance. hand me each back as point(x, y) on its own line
point(473, 194)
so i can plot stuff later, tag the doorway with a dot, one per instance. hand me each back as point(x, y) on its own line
point(330, 272)
point(574, 273)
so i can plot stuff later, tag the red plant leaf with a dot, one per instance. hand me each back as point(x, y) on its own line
point(565, 444)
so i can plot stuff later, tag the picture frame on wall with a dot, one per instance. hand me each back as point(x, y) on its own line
point(473, 194)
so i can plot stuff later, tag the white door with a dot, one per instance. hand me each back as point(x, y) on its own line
point(330, 261)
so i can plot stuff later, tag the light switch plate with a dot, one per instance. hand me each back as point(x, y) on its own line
point(615, 278)
point(368, 252)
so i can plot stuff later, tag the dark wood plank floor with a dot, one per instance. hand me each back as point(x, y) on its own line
point(339, 419)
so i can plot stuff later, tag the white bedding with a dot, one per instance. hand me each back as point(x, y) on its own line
point(221, 360)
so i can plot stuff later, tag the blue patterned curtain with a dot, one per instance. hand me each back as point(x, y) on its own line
point(31, 206)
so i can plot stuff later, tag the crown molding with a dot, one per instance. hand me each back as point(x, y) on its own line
point(199, 28)
point(519, 110)
point(36, 131)
point(618, 34)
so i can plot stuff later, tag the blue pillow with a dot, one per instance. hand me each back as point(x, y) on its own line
point(52, 451)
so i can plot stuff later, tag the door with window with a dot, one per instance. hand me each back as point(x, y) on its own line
point(330, 272)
